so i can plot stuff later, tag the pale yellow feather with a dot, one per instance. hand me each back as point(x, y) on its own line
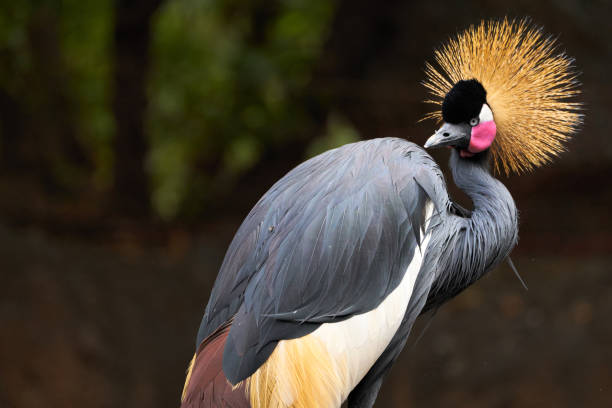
point(189, 370)
point(300, 373)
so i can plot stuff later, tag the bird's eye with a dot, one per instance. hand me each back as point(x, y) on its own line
point(474, 122)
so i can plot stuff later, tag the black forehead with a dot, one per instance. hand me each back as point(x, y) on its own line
point(464, 101)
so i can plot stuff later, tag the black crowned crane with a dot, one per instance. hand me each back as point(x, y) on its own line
point(324, 279)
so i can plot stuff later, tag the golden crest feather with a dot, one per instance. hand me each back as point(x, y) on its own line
point(529, 86)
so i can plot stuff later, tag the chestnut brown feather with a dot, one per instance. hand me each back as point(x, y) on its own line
point(206, 385)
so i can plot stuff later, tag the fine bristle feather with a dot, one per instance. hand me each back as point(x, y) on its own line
point(529, 86)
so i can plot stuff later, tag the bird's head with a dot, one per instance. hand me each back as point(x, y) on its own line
point(504, 87)
point(468, 120)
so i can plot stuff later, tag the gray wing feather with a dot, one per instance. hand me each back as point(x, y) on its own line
point(330, 240)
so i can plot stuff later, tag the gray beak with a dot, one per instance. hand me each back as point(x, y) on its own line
point(450, 135)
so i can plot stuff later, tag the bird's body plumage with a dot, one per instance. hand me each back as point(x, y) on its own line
point(325, 277)
point(333, 253)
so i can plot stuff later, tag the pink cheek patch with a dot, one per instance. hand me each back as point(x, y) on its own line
point(482, 136)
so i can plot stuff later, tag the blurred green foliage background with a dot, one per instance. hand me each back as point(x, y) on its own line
point(225, 90)
point(224, 81)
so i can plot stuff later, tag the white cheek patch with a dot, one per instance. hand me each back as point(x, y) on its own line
point(485, 114)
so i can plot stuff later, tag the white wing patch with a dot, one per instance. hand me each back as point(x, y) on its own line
point(358, 342)
point(322, 368)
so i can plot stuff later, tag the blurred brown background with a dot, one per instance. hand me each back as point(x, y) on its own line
point(136, 135)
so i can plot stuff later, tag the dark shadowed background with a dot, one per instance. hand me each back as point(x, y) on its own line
point(136, 135)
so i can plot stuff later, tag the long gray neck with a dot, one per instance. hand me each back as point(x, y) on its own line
point(464, 249)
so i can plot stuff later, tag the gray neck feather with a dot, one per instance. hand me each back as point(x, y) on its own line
point(464, 249)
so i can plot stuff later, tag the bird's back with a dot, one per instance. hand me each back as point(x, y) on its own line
point(329, 243)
